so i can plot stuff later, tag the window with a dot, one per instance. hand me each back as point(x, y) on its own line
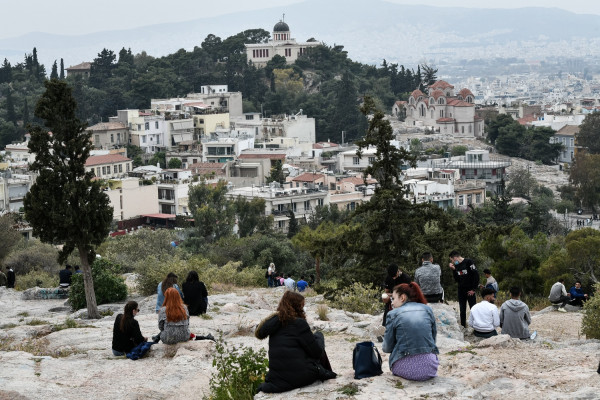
point(98, 171)
point(441, 113)
point(97, 140)
point(115, 169)
point(571, 142)
point(461, 201)
point(128, 167)
point(143, 139)
point(103, 170)
point(281, 224)
point(478, 198)
point(155, 124)
point(355, 160)
point(469, 199)
point(371, 160)
point(307, 205)
point(120, 168)
point(462, 129)
point(139, 127)
point(119, 137)
point(249, 117)
point(320, 202)
point(351, 206)
point(147, 126)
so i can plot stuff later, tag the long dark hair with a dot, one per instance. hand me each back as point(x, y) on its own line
point(192, 276)
point(412, 291)
point(291, 307)
point(127, 315)
point(169, 281)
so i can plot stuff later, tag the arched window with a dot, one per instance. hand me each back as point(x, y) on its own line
point(422, 111)
point(441, 100)
point(441, 113)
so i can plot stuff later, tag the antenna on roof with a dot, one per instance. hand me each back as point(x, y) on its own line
point(283, 18)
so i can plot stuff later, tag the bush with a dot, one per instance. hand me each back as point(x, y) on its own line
point(152, 271)
point(109, 286)
point(359, 298)
point(240, 370)
point(591, 319)
point(37, 278)
point(33, 255)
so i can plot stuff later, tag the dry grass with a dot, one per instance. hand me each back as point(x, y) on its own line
point(322, 310)
point(36, 347)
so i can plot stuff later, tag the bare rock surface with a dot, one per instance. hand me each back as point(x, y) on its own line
point(39, 361)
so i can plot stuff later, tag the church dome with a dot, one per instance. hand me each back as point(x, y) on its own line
point(281, 27)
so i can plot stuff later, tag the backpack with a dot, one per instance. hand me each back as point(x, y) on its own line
point(366, 360)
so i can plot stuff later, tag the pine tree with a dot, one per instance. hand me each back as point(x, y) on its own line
point(293, 227)
point(5, 72)
point(54, 73)
point(65, 205)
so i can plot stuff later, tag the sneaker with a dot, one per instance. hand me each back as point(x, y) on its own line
point(533, 335)
point(561, 309)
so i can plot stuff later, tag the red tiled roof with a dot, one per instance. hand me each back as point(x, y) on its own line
point(324, 145)
point(568, 130)
point(459, 103)
point(416, 93)
point(105, 159)
point(308, 177)
point(106, 126)
point(400, 102)
point(527, 120)
point(160, 216)
point(465, 92)
point(441, 85)
point(436, 94)
point(445, 119)
point(204, 167)
point(275, 156)
point(357, 181)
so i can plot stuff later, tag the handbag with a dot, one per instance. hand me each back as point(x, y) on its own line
point(366, 360)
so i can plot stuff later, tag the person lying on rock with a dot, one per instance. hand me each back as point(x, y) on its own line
point(174, 320)
point(126, 331)
point(297, 357)
point(410, 334)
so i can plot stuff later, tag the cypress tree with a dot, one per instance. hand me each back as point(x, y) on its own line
point(62, 69)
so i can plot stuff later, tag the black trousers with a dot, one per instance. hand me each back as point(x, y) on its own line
point(463, 298)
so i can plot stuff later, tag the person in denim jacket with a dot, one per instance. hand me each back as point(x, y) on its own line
point(410, 335)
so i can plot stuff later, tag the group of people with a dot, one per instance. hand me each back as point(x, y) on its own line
point(559, 295)
point(275, 279)
point(8, 279)
point(173, 306)
point(65, 275)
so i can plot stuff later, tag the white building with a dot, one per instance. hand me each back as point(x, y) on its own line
point(129, 199)
point(281, 44)
point(110, 166)
point(146, 130)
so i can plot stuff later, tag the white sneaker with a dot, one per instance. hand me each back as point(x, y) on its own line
point(561, 309)
point(533, 335)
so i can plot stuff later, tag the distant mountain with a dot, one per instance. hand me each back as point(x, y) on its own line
point(369, 31)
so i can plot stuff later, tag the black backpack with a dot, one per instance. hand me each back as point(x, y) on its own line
point(366, 360)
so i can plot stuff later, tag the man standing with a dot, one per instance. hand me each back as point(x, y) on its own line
point(577, 295)
point(466, 275)
point(558, 294)
point(484, 317)
point(10, 277)
point(428, 277)
point(514, 316)
point(64, 276)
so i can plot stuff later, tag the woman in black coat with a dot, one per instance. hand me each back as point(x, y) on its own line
point(126, 331)
point(195, 295)
point(296, 356)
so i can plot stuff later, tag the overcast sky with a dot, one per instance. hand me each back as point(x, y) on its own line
point(73, 17)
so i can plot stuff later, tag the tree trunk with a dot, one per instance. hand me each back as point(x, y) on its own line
point(318, 269)
point(88, 284)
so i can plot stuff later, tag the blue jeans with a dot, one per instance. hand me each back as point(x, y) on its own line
point(270, 281)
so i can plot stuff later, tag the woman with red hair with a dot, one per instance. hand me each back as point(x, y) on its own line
point(410, 335)
point(296, 356)
point(173, 318)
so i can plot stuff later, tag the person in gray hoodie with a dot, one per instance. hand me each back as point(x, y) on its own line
point(428, 277)
point(514, 316)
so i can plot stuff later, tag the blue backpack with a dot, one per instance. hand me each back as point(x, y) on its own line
point(366, 360)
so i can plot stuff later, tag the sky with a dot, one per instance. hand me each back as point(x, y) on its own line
point(74, 17)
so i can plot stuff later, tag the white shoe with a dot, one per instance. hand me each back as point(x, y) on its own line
point(561, 309)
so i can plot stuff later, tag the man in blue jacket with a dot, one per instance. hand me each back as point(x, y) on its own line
point(577, 295)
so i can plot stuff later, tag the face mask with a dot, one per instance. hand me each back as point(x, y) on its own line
point(456, 262)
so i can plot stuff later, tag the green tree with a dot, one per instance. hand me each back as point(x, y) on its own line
point(11, 115)
point(214, 214)
point(102, 67)
point(585, 177)
point(54, 72)
point(251, 216)
point(589, 133)
point(62, 69)
point(510, 140)
point(175, 163)
point(276, 174)
point(501, 121)
point(9, 236)
point(429, 75)
point(521, 183)
point(65, 205)
point(293, 226)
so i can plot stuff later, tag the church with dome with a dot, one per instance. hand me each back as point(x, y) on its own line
point(443, 110)
point(281, 43)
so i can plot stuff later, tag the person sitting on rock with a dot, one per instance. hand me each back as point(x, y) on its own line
point(169, 281)
point(558, 294)
point(173, 319)
point(64, 277)
point(484, 317)
point(289, 282)
point(577, 295)
point(301, 284)
point(126, 330)
point(410, 334)
point(514, 316)
point(195, 295)
point(297, 357)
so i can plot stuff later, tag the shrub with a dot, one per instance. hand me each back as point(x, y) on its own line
point(37, 278)
point(359, 298)
point(109, 286)
point(322, 310)
point(591, 319)
point(240, 370)
point(33, 255)
point(152, 271)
